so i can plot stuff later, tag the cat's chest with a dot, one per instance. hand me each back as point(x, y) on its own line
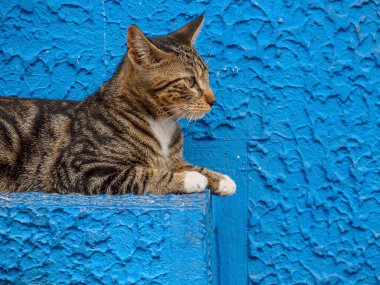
point(163, 129)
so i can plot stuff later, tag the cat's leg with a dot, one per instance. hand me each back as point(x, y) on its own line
point(142, 180)
point(91, 180)
point(219, 184)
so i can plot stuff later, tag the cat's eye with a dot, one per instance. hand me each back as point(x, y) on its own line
point(192, 82)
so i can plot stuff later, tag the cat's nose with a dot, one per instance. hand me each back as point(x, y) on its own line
point(211, 102)
point(210, 98)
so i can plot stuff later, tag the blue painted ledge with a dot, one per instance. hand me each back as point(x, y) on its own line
point(75, 239)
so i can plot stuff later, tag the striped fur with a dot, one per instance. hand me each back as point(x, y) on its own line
point(118, 140)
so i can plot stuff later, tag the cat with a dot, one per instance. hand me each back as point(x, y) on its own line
point(124, 138)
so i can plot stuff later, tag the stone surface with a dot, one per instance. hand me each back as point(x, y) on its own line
point(74, 239)
point(296, 122)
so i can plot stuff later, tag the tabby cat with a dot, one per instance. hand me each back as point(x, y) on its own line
point(125, 137)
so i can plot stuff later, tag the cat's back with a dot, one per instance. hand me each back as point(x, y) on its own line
point(23, 114)
point(30, 119)
point(26, 105)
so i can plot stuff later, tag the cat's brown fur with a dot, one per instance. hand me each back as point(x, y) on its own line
point(108, 143)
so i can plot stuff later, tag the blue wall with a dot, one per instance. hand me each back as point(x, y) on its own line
point(98, 240)
point(296, 124)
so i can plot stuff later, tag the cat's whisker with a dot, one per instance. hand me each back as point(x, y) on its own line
point(189, 120)
point(167, 107)
point(193, 117)
point(209, 56)
point(171, 110)
point(188, 123)
point(185, 113)
point(179, 108)
point(208, 51)
point(175, 114)
point(176, 109)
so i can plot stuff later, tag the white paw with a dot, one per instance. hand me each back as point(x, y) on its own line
point(227, 186)
point(195, 182)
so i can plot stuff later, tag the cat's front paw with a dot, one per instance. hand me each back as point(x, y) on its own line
point(226, 187)
point(194, 182)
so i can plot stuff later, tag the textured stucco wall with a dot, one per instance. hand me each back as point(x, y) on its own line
point(73, 239)
point(296, 123)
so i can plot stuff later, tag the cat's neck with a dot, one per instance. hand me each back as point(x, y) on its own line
point(121, 91)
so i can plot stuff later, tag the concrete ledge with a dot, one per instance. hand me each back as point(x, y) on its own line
point(75, 239)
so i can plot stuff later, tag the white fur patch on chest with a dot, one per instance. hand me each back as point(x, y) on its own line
point(164, 129)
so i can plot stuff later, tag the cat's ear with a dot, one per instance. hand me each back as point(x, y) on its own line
point(188, 33)
point(140, 50)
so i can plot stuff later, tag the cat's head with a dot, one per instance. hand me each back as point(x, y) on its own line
point(171, 72)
